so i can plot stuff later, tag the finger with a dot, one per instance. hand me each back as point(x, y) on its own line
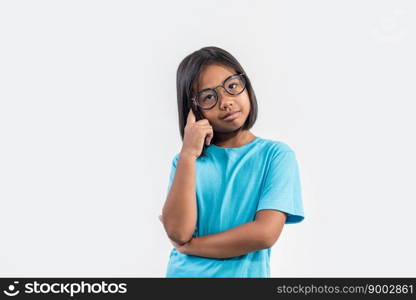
point(205, 126)
point(191, 117)
point(160, 218)
point(203, 122)
point(209, 137)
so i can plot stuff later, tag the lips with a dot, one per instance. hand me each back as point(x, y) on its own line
point(229, 114)
point(232, 116)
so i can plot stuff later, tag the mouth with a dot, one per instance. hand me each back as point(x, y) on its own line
point(232, 116)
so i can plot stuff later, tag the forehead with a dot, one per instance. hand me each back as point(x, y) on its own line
point(213, 75)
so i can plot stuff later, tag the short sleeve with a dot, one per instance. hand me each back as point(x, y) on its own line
point(282, 188)
point(172, 171)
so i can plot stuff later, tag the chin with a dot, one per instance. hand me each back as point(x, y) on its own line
point(230, 128)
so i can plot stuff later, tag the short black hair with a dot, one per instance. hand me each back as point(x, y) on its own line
point(188, 73)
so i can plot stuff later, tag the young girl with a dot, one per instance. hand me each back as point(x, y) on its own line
point(230, 192)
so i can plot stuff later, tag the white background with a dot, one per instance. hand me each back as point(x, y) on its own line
point(89, 127)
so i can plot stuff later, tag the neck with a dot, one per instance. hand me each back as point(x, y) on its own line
point(236, 138)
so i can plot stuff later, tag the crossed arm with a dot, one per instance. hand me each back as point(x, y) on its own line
point(259, 234)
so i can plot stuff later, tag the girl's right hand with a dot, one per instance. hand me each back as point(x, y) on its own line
point(195, 134)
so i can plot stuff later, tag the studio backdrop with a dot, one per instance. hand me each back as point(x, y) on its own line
point(89, 128)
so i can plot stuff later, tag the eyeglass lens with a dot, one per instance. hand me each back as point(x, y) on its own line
point(233, 85)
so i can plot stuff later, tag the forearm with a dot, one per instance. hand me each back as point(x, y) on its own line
point(180, 210)
point(237, 241)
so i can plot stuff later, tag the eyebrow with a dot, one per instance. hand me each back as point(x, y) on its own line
point(207, 88)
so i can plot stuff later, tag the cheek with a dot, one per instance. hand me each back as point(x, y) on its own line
point(246, 105)
point(203, 113)
point(209, 115)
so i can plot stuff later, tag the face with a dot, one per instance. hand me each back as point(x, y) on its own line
point(212, 76)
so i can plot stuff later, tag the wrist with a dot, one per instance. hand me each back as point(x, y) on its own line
point(187, 155)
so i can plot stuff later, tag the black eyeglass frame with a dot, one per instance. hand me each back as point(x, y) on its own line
point(194, 99)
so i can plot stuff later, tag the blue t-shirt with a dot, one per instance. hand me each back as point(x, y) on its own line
point(232, 184)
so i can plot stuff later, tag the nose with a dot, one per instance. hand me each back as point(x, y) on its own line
point(225, 99)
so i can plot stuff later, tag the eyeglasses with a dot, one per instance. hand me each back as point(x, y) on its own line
point(208, 98)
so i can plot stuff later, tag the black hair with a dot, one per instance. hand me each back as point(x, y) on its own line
point(188, 73)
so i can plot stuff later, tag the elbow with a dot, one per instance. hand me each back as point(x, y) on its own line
point(268, 235)
point(176, 234)
point(179, 238)
point(268, 240)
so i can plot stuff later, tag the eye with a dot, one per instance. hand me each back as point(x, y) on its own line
point(232, 85)
point(207, 98)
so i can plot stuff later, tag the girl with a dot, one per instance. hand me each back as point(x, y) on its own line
point(230, 192)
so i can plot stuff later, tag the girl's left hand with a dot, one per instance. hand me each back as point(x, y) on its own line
point(181, 248)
